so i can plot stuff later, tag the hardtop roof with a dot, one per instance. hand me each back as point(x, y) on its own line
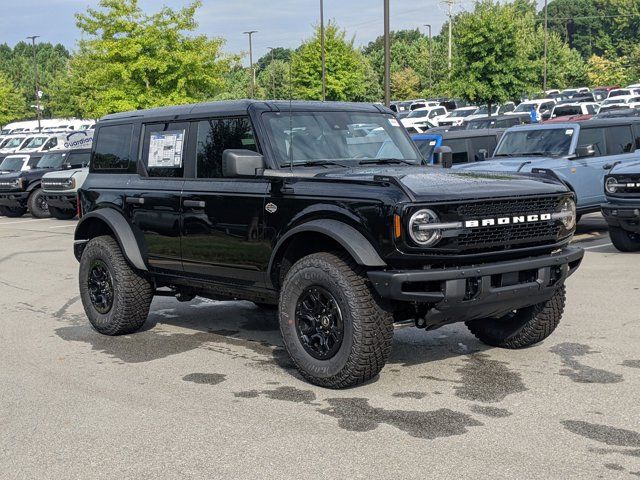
point(240, 107)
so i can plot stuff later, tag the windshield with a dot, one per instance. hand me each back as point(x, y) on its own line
point(13, 143)
point(35, 142)
point(426, 147)
point(617, 93)
point(548, 142)
point(568, 110)
point(12, 164)
point(477, 124)
point(304, 137)
point(462, 113)
point(483, 110)
point(613, 100)
point(526, 107)
point(51, 160)
point(418, 114)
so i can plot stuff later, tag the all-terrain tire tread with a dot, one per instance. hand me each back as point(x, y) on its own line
point(372, 328)
point(543, 320)
point(623, 241)
point(136, 292)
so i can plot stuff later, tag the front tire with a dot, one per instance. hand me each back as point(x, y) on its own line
point(623, 240)
point(62, 214)
point(115, 297)
point(38, 204)
point(524, 327)
point(12, 212)
point(335, 329)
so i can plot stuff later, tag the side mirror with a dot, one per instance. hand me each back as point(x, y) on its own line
point(583, 151)
point(241, 163)
point(546, 115)
point(482, 155)
point(443, 156)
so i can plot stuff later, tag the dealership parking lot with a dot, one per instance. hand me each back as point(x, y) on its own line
point(206, 391)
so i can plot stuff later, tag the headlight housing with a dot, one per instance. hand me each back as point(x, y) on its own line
point(611, 185)
point(423, 229)
point(566, 213)
point(69, 183)
point(18, 183)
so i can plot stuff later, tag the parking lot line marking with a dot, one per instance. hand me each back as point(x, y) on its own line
point(63, 226)
point(22, 221)
point(597, 246)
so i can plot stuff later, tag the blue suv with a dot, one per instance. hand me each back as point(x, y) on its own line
point(580, 154)
point(622, 210)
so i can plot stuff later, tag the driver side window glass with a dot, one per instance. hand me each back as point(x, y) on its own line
point(217, 135)
point(595, 137)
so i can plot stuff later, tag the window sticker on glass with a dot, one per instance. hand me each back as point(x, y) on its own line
point(393, 122)
point(165, 149)
point(568, 131)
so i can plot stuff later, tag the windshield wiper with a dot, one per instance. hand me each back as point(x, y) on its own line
point(385, 161)
point(318, 163)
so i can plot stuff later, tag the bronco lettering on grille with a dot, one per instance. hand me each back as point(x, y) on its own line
point(488, 222)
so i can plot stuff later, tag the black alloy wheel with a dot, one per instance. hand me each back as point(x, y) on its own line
point(319, 323)
point(100, 286)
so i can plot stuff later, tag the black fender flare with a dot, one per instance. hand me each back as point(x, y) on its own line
point(121, 229)
point(348, 237)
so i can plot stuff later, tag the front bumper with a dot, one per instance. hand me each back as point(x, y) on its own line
point(469, 293)
point(64, 201)
point(14, 199)
point(625, 216)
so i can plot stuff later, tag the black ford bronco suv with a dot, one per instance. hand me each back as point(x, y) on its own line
point(622, 210)
point(325, 210)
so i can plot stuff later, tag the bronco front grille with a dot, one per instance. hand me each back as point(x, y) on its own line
point(519, 206)
point(6, 186)
point(629, 186)
point(505, 235)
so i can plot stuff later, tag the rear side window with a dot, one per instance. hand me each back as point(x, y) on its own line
point(113, 147)
point(217, 135)
point(483, 143)
point(75, 158)
point(619, 140)
point(163, 149)
point(593, 136)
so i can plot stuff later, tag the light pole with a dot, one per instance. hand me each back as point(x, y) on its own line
point(430, 59)
point(544, 75)
point(35, 71)
point(323, 53)
point(387, 55)
point(253, 72)
point(273, 78)
point(450, 4)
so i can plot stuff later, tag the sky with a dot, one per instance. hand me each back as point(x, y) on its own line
point(280, 23)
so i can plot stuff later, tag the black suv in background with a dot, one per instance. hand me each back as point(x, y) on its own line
point(285, 204)
point(622, 210)
point(22, 190)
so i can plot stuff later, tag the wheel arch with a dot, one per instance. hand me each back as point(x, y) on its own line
point(109, 222)
point(320, 235)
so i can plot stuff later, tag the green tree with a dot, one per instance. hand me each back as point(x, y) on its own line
point(348, 73)
point(603, 71)
point(11, 102)
point(274, 81)
point(492, 64)
point(129, 59)
point(405, 83)
point(17, 65)
point(278, 53)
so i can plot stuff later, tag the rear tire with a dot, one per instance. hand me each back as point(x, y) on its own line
point(12, 212)
point(348, 339)
point(523, 328)
point(115, 297)
point(38, 204)
point(623, 240)
point(62, 214)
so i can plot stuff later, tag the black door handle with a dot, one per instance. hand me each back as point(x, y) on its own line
point(193, 203)
point(134, 200)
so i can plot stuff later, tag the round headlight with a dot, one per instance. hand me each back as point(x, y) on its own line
point(611, 185)
point(69, 183)
point(567, 213)
point(422, 230)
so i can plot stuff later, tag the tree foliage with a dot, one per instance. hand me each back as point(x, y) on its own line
point(349, 75)
point(492, 64)
point(11, 101)
point(129, 59)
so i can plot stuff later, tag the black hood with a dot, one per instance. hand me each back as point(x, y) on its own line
point(430, 183)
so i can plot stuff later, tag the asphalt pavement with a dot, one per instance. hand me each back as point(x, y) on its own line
point(206, 391)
